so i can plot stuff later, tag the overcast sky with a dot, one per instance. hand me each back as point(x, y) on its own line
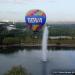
point(56, 10)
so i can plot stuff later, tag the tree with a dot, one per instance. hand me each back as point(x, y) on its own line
point(17, 71)
point(3, 30)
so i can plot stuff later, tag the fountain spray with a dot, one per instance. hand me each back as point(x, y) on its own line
point(44, 44)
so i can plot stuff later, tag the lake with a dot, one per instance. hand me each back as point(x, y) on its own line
point(31, 60)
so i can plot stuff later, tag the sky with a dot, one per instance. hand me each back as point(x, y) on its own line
point(56, 10)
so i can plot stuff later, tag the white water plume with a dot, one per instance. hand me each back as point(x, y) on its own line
point(44, 44)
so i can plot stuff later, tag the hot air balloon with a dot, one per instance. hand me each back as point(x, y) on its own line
point(35, 19)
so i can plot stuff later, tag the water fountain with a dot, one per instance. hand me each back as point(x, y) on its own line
point(44, 44)
point(36, 20)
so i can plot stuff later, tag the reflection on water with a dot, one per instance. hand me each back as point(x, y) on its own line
point(44, 68)
point(31, 60)
point(12, 50)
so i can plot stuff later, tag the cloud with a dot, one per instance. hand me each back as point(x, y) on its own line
point(24, 1)
point(6, 1)
point(56, 10)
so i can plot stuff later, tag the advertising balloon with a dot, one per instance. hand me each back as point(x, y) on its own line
point(35, 19)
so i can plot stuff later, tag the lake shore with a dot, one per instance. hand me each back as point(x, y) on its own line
point(39, 45)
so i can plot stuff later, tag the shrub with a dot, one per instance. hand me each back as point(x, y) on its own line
point(18, 70)
point(10, 40)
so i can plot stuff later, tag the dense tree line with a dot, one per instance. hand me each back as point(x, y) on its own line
point(25, 35)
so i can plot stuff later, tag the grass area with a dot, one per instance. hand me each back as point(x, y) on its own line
point(36, 40)
point(51, 41)
point(61, 41)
